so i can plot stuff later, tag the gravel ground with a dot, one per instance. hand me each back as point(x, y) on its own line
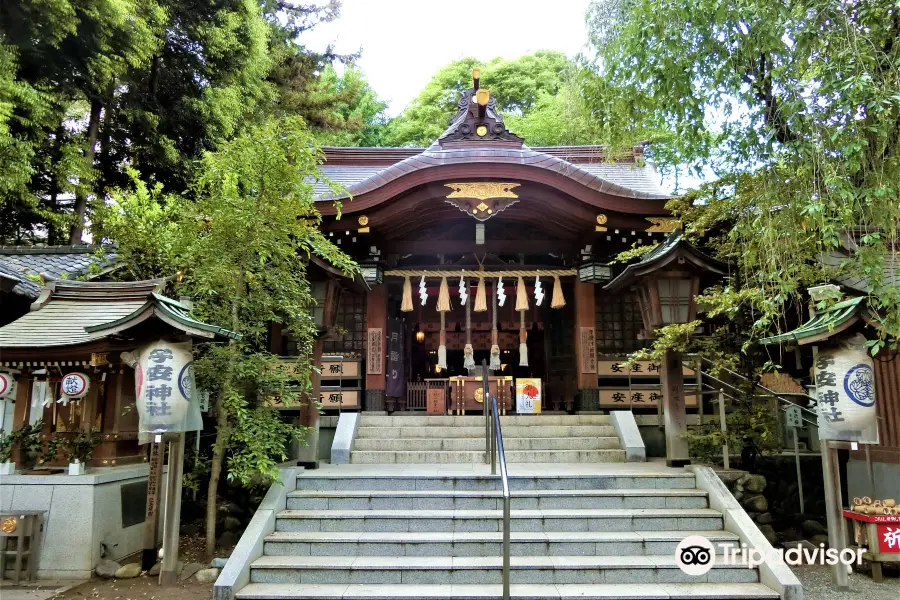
point(817, 584)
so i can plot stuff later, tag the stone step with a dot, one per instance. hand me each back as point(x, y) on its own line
point(489, 500)
point(587, 543)
point(477, 431)
point(475, 420)
point(639, 591)
point(413, 570)
point(399, 481)
point(471, 444)
point(373, 457)
point(607, 519)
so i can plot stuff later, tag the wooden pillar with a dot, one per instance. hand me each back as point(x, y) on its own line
point(588, 396)
point(376, 319)
point(674, 415)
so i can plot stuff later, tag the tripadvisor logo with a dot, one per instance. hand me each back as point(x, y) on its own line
point(695, 555)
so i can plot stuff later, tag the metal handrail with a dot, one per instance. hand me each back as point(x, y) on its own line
point(504, 479)
point(493, 446)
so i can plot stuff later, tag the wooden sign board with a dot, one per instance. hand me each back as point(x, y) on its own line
point(339, 398)
point(375, 351)
point(623, 398)
point(588, 350)
point(644, 368)
point(349, 369)
point(436, 401)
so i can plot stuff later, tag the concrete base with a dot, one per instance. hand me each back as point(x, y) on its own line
point(629, 435)
point(677, 462)
point(82, 512)
point(343, 438)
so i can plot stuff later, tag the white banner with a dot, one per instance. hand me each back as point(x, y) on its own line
point(845, 391)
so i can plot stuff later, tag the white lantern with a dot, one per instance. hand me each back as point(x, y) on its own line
point(165, 391)
point(7, 386)
point(845, 390)
point(73, 386)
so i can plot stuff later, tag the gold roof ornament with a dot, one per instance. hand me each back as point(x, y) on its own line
point(663, 224)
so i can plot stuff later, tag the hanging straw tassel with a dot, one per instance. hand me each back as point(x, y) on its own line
point(495, 347)
point(523, 347)
point(558, 300)
point(480, 300)
point(521, 295)
point(406, 304)
point(442, 349)
point(469, 360)
point(443, 304)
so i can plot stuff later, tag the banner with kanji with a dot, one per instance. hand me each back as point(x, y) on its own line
point(845, 392)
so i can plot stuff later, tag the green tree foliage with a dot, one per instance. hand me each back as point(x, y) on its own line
point(240, 243)
point(795, 108)
point(537, 94)
point(90, 89)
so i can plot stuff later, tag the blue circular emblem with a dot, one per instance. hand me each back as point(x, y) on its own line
point(859, 383)
point(185, 380)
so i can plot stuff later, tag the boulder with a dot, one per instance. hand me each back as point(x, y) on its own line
point(230, 508)
point(231, 524)
point(190, 529)
point(812, 527)
point(765, 518)
point(756, 503)
point(154, 570)
point(730, 477)
point(107, 568)
point(227, 539)
point(769, 532)
point(738, 496)
point(189, 570)
point(207, 575)
point(218, 562)
point(755, 484)
point(821, 538)
point(128, 571)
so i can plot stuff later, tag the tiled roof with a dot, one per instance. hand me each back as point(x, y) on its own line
point(69, 313)
point(621, 178)
point(856, 282)
point(822, 324)
point(57, 262)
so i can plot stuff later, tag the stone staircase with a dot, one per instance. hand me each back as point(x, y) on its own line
point(460, 439)
point(429, 536)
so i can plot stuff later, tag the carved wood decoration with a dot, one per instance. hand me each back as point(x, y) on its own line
point(663, 224)
point(482, 199)
point(467, 128)
point(375, 351)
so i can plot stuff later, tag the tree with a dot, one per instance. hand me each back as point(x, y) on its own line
point(350, 113)
point(794, 108)
point(534, 92)
point(241, 246)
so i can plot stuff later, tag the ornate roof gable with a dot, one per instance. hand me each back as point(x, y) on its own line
point(477, 121)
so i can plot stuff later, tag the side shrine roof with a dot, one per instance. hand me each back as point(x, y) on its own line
point(69, 313)
point(675, 247)
point(824, 324)
point(54, 262)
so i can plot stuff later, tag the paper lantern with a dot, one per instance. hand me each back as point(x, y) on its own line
point(73, 386)
point(7, 386)
point(845, 389)
point(165, 389)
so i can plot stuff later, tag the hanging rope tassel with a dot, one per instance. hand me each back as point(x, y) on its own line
point(442, 349)
point(523, 335)
point(443, 304)
point(406, 304)
point(469, 352)
point(495, 347)
point(558, 300)
point(521, 295)
point(480, 300)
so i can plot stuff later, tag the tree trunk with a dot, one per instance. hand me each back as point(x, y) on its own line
point(81, 195)
point(215, 471)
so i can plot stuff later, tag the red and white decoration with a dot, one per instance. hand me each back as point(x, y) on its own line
point(7, 386)
point(72, 387)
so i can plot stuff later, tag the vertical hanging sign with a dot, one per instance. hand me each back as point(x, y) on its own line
point(396, 380)
point(375, 351)
point(588, 350)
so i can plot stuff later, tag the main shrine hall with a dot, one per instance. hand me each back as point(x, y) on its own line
point(481, 249)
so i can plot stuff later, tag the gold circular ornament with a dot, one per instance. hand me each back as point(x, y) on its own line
point(601, 219)
point(9, 526)
point(479, 395)
point(363, 220)
point(481, 130)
